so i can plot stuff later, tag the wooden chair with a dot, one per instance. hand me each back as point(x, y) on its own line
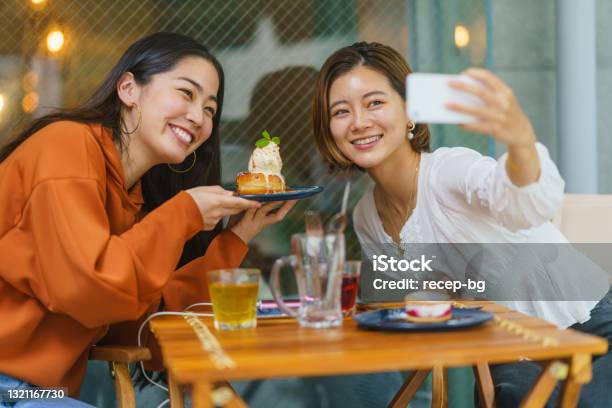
point(118, 358)
point(585, 218)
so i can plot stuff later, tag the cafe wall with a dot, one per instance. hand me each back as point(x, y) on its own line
point(604, 94)
point(524, 54)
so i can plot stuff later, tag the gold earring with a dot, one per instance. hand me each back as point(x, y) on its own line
point(410, 129)
point(124, 127)
point(184, 171)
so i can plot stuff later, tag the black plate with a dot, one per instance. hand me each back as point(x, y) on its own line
point(294, 193)
point(394, 320)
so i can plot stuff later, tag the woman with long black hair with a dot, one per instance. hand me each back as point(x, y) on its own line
point(111, 211)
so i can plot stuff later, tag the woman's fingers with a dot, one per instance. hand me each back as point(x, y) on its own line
point(479, 112)
point(249, 214)
point(279, 214)
point(487, 78)
point(243, 217)
point(266, 212)
point(216, 189)
point(274, 212)
point(232, 207)
point(268, 207)
point(282, 212)
point(237, 215)
point(484, 128)
point(485, 94)
point(237, 202)
point(497, 96)
point(501, 115)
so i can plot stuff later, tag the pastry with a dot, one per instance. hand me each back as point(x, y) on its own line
point(264, 175)
point(428, 311)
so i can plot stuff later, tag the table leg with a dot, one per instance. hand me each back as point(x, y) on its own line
point(233, 399)
point(570, 394)
point(174, 392)
point(484, 383)
point(202, 395)
point(545, 384)
point(409, 389)
point(580, 372)
point(439, 387)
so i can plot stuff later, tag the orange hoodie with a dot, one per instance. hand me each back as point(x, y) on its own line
point(75, 255)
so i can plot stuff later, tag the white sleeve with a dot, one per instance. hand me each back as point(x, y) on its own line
point(463, 177)
point(364, 223)
point(361, 221)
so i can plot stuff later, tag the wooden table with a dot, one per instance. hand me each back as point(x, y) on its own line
point(280, 348)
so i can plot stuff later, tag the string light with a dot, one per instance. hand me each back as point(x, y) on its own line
point(38, 4)
point(462, 36)
point(29, 103)
point(55, 41)
point(29, 81)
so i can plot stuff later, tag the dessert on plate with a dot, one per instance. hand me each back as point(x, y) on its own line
point(428, 311)
point(264, 175)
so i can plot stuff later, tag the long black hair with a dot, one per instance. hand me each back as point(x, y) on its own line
point(151, 55)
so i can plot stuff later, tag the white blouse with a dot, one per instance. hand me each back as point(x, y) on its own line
point(464, 197)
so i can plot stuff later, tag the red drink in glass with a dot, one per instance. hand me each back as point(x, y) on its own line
point(349, 294)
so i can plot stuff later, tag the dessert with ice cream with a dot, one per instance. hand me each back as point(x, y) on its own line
point(264, 175)
point(428, 311)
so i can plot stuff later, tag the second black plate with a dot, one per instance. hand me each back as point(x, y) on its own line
point(394, 320)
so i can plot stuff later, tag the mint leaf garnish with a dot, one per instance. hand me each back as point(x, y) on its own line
point(266, 135)
point(261, 143)
point(276, 140)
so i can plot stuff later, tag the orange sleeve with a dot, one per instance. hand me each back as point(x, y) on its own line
point(188, 284)
point(73, 265)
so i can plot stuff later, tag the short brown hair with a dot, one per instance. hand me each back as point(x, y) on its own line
point(379, 57)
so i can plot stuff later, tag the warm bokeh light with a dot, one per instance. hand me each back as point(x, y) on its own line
point(1, 102)
point(462, 36)
point(55, 40)
point(29, 103)
point(38, 4)
point(29, 81)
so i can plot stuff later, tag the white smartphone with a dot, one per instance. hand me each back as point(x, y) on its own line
point(428, 94)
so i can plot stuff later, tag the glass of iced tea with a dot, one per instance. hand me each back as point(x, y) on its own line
point(233, 293)
point(350, 284)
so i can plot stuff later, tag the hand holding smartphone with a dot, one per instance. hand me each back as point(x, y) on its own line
point(428, 94)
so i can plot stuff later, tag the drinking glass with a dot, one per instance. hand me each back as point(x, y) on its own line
point(318, 263)
point(350, 285)
point(233, 293)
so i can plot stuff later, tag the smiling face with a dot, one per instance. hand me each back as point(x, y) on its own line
point(367, 119)
point(177, 108)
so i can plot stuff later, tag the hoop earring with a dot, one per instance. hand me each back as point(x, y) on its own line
point(186, 170)
point(410, 135)
point(124, 128)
